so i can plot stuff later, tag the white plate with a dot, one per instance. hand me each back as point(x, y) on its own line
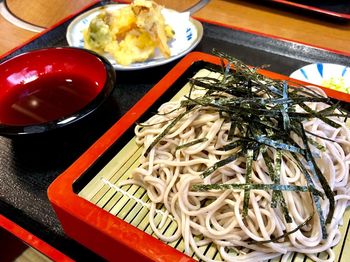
point(323, 73)
point(188, 33)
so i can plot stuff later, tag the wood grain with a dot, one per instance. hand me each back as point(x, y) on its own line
point(255, 16)
point(44, 13)
point(11, 35)
point(39, 12)
point(272, 20)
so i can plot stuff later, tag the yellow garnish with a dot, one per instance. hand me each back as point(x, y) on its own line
point(336, 83)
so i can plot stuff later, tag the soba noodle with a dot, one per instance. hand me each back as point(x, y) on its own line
point(168, 174)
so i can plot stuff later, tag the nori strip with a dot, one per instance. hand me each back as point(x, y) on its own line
point(279, 145)
point(318, 115)
point(284, 109)
point(231, 132)
point(165, 131)
point(191, 143)
point(248, 177)
point(317, 172)
point(206, 187)
point(275, 239)
point(234, 144)
point(221, 163)
point(277, 196)
point(315, 196)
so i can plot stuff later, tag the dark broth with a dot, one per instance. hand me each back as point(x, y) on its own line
point(46, 99)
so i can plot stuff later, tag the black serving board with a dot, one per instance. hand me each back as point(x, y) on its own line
point(28, 165)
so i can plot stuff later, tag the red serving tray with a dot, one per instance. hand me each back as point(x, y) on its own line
point(102, 232)
point(29, 239)
point(314, 8)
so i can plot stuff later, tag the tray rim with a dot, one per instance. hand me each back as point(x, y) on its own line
point(32, 240)
point(313, 9)
point(64, 200)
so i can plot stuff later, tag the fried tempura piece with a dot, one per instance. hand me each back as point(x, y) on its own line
point(150, 18)
point(98, 35)
point(131, 34)
point(137, 46)
point(122, 21)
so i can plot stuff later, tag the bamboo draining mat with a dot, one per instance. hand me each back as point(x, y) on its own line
point(31, 255)
point(131, 202)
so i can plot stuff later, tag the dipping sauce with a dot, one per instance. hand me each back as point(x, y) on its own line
point(51, 88)
point(46, 99)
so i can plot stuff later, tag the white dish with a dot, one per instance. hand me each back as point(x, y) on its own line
point(325, 74)
point(188, 33)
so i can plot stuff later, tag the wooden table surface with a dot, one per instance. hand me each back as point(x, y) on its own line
point(254, 16)
point(269, 19)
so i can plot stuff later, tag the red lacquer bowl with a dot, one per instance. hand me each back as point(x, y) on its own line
point(46, 89)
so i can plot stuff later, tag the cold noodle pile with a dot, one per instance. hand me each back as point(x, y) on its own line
point(252, 166)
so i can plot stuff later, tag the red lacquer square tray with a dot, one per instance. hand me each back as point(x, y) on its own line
point(110, 232)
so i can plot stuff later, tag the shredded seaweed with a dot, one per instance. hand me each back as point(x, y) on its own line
point(278, 145)
point(221, 163)
point(320, 116)
point(263, 116)
point(234, 144)
point(317, 173)
point(165, 131)
point(231, 132)
point(158, 123)
point(248, 177)
point(322, 137)
point(277, 196)
point(207, 187)
point(314, 195)
point(285, 234)
point(285, 107)
point(194, 142)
